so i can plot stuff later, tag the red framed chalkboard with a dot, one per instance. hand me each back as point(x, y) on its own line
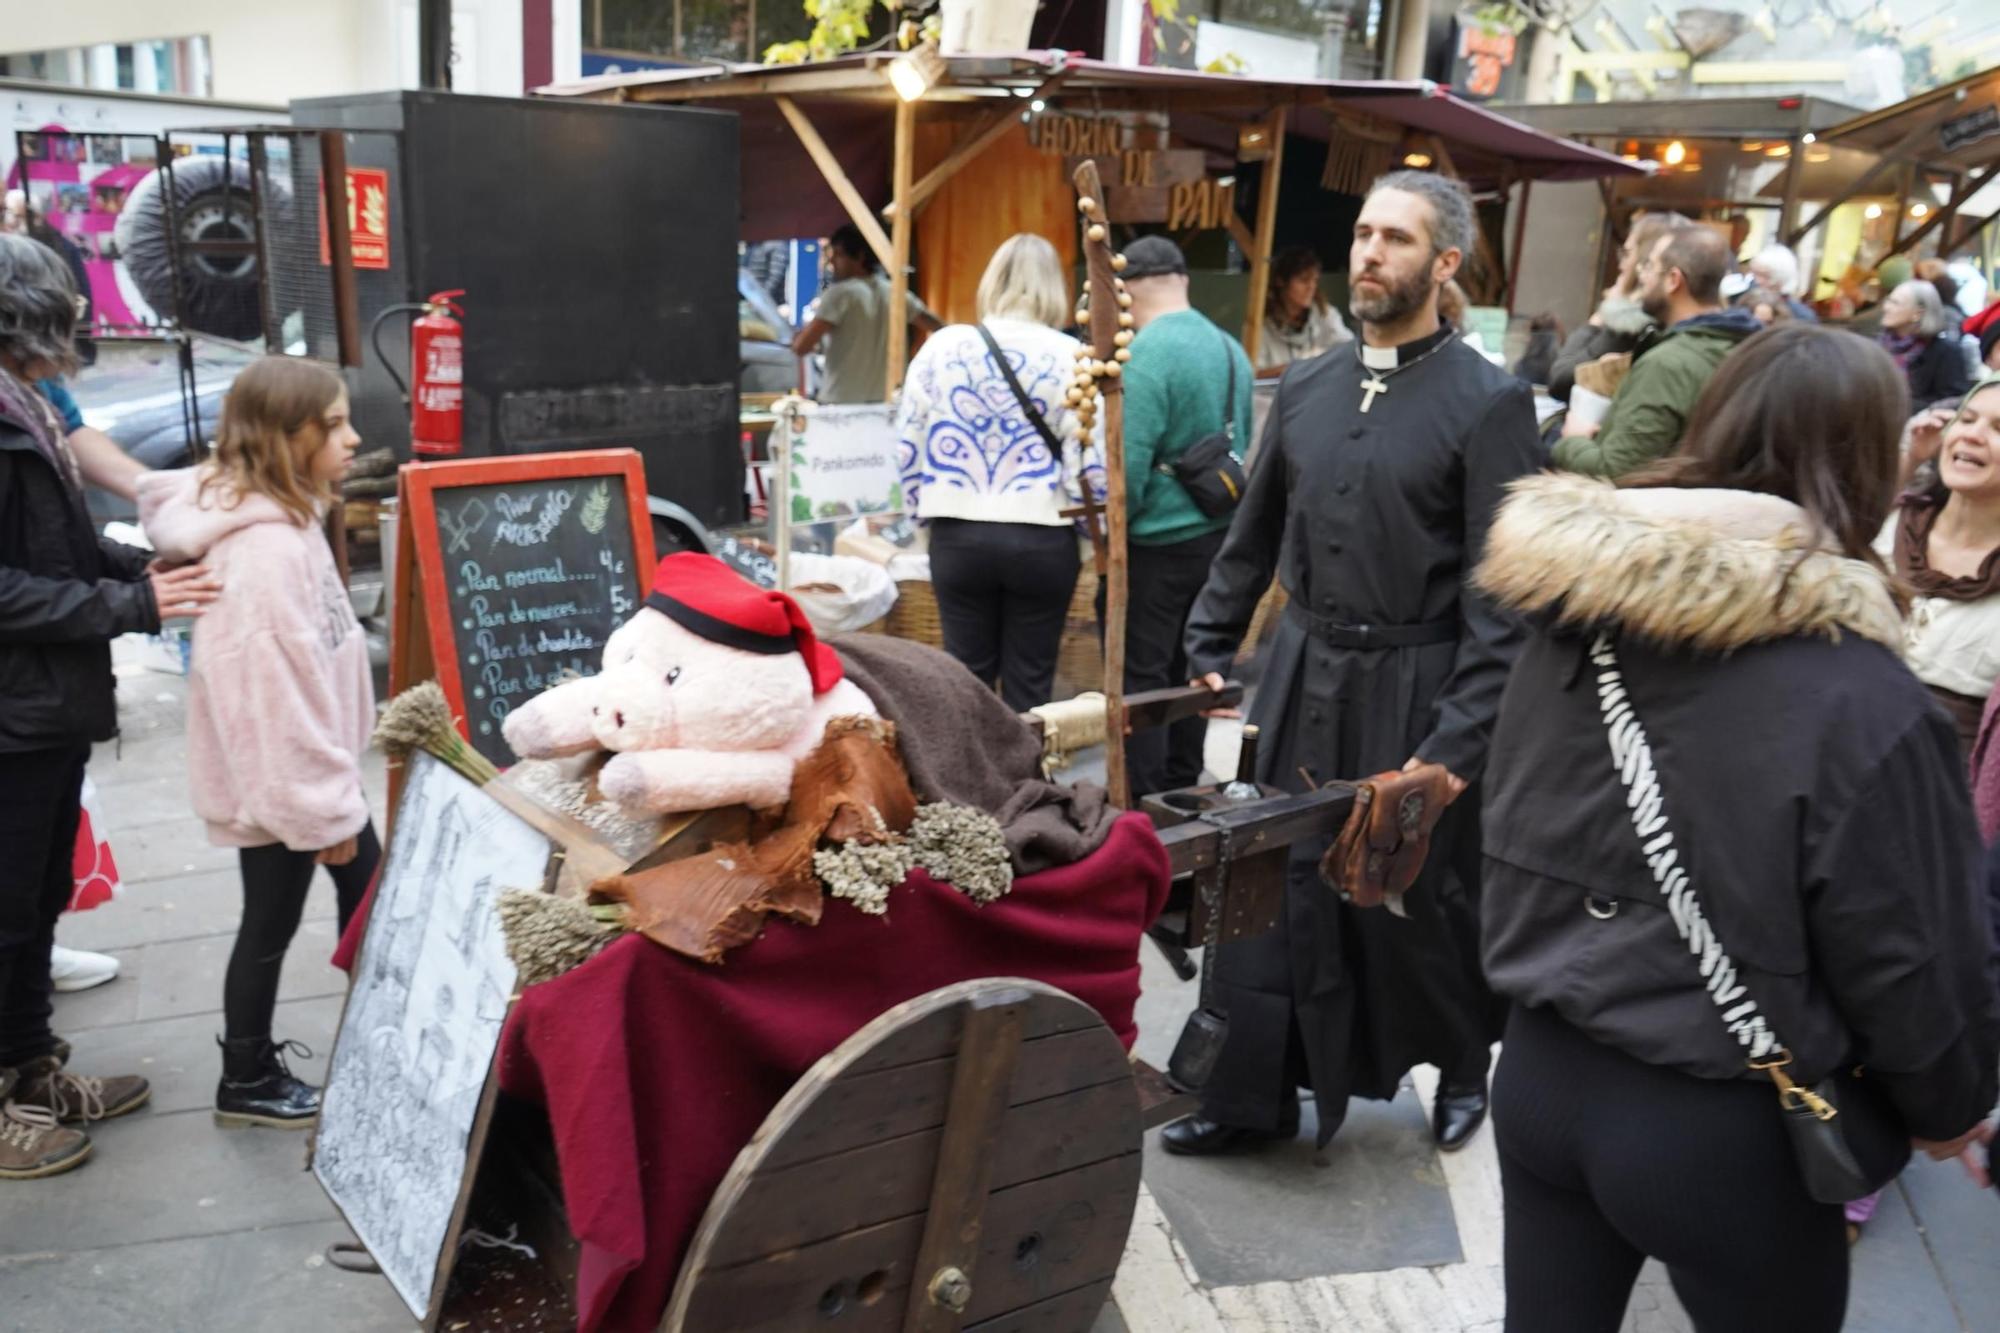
point(510, 572)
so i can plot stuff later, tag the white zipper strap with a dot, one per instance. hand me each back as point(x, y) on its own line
point(1632, 757)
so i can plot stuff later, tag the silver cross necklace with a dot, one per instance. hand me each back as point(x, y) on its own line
point(1378, 381)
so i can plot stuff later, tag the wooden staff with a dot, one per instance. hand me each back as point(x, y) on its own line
point(1101, 364)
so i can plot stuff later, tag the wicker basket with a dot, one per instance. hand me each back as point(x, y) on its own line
point(1080, 659)
point(915, 614)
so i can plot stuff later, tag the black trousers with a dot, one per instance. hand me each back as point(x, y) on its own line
point(1605, 1160)
point(1003, 592)
point(41, 801)
point(1160, 589)
point(275, 882)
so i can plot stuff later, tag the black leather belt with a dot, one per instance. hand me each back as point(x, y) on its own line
point(1342, 635)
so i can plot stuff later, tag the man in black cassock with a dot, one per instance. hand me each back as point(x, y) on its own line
point(1370, 494)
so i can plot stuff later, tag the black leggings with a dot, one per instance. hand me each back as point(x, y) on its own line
point(1003, 594)
point(275, 881)
point(1605, 1160)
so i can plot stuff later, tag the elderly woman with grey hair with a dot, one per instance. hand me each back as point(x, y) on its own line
point(1914, 332)
point(65, 593)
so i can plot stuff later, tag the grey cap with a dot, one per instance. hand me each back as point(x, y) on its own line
point(1151, 257)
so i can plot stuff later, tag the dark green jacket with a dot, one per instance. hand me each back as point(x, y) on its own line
point(1652, 406)
point(1176, 386)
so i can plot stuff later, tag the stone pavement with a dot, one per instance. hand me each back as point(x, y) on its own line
point(175, 1225)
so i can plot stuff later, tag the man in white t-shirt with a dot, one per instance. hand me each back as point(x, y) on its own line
point(850, 322)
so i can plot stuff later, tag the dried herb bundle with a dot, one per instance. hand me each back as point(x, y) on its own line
point(420, 719)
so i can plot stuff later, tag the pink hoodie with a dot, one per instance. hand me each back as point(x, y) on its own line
point(280, 702)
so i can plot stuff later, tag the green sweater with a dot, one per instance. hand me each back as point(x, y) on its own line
point(1176, 387)
point(1650, 411)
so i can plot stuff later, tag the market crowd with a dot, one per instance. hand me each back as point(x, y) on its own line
point(1704, 666)
point(1736, 575)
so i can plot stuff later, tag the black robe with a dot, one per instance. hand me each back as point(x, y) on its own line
point(1372, 519)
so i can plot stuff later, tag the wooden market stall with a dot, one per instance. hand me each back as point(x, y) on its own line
point(892, 135)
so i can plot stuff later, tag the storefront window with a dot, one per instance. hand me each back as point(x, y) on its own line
point(1347, 34)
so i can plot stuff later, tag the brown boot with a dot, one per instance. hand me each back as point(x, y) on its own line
point(77, 1098)
point(32, 1144)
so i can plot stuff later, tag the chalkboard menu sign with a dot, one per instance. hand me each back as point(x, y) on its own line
point(524, 565)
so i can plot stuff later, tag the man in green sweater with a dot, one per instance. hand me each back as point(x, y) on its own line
point(1680, 289)
point(1178, 390)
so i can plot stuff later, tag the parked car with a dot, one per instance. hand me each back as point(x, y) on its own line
point(766, 339)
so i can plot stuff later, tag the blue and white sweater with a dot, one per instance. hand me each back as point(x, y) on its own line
point(967, 449)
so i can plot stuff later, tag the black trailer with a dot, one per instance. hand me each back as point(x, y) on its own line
point(596, 246)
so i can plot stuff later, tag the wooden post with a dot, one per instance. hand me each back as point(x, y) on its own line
point(340, 245)
point(899, 246)
point(1795, 174)
point(1267, 221)
point(983, 136)
point(1520, 236)
point(1102, 338)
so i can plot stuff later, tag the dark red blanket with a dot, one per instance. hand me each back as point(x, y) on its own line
point(656, 1069)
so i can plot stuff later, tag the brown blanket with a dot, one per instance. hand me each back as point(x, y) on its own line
point(962, 746)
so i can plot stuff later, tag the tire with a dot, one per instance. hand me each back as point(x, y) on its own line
point(219, 294)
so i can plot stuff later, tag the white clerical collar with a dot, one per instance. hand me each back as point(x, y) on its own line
point(1389, 358)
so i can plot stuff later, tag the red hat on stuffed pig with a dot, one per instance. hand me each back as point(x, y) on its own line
point(709, 599)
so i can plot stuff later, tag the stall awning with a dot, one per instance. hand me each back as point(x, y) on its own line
point(848, 99)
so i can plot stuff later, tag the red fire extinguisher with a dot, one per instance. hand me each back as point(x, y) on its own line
point(436, 391)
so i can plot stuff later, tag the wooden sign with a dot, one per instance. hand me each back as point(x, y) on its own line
point(511, 573)
point(408, 1091)
point(1201, 205)
point(1138, 182)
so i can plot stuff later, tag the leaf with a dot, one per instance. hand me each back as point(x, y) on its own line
point(596, 508)
point(802, 509)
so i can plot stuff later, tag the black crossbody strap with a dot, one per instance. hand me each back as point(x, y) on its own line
point(1229, 404)
point(1020, 395)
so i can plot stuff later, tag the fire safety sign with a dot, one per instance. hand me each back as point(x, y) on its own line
point(367, 218)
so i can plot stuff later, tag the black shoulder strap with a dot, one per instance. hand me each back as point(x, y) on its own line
point(1020, 394)
point(1229, 404)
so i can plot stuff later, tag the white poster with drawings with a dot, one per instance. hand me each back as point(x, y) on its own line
point(427, 997)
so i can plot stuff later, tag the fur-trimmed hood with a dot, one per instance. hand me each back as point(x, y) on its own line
point(1702, 569)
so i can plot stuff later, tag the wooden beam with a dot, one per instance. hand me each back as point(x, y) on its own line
point(1891, 157)
point(1906, 185)
point(1790, 72)
point(1579, 61)
point(1267, 222)
point(988, 133)
point(837, 181)
point(1240, 230)
point(1937, 219)
point(1520, 235)
point(899, 245)
point(866, 80)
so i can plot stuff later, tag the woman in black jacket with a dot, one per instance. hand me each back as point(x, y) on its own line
point(65, 593)
point(1723, 818)
point(1916, 331)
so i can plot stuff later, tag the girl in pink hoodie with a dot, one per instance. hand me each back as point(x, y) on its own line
point(280, 702)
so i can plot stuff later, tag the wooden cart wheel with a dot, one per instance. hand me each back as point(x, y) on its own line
point(969, 1160)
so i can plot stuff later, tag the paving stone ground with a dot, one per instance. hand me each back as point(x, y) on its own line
point(175, 1225)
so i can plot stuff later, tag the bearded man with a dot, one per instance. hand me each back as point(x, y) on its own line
point(1369, 496)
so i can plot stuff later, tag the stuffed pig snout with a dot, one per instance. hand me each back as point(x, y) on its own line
point(680, 692)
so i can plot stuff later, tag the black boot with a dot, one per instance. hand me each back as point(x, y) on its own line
point(257, 1087)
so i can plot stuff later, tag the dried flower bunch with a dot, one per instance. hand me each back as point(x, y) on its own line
point(420, 719)
point(547, 935)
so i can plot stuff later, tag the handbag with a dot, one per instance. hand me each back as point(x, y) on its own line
point(1034, 416)
point(1381, 849)
point(1846, 1135)
point(1209, 470)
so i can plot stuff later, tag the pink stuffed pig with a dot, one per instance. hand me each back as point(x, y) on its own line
point(708, 697)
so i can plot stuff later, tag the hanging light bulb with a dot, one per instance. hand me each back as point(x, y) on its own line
point(1872, 212)
point(1676, 153)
